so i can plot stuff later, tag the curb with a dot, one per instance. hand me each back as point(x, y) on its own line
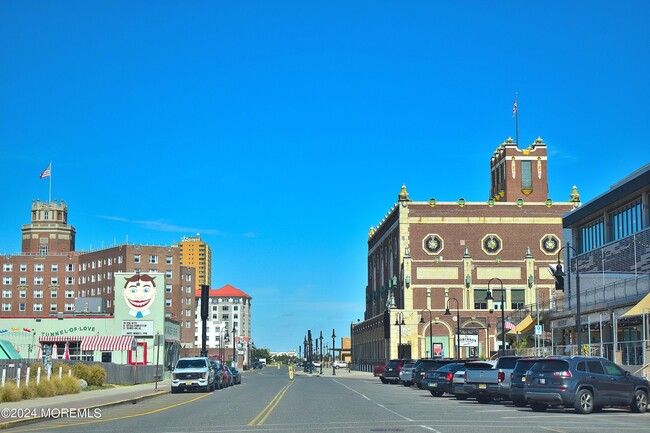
point(34, 420)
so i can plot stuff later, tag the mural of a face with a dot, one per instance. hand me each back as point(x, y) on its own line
point(139, 294)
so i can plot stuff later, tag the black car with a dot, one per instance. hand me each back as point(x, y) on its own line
point(440, 381)
point(236, 375)
point(426, 364)
point(518, 381)
point(257, 365)
point(585, 383)
point(391, 373)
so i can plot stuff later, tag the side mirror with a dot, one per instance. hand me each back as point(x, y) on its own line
point(627, 373)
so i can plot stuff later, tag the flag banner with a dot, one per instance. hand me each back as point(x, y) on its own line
point(47, 172)
point(509, 325)
point(514, 109)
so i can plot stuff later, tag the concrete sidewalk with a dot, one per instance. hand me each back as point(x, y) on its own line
point(340, 373)
point(27, 411)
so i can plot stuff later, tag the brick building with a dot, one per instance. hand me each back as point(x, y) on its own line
point(427, 256)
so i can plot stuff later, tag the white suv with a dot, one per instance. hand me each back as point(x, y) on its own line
point(193, 373)
point(340, 364)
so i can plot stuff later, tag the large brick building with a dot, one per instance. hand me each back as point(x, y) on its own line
point(49, 277)
point(427, 256)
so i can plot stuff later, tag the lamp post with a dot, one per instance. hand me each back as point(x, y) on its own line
point(226, 339)
point(558, 273)
point(333, 345)
point(304, 342)
point(399, 321)
point(503, 313)
point(234, 353)
point(321, 351)
point(448, 313)
point(430, 336)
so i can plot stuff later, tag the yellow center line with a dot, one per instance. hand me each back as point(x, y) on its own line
point(264, 414)
point(117, 418)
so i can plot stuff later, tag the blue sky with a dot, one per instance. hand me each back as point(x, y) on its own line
point(281, 131)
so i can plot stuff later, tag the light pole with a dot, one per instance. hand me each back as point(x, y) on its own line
point(304, 342)
point(430, 336)
point(448, 313)
point(333, 345)
point(226, 339)
point(558, 273)
point(321, 351)
point(234, 353)
point(399, 321)
point(503, 313)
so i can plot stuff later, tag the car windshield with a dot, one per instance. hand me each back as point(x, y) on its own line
point(550, 366)
point(190, 363)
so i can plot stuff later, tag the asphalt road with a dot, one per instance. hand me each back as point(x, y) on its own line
point(267, 401)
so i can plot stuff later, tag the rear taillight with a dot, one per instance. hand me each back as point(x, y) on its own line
point(501, 376)
point(562, 373)
point(449, 377)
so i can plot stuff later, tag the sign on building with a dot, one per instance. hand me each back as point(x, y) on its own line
point(137, 328)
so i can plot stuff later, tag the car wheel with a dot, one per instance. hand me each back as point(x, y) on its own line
point(407, 383)
point(207, 388)
point(584, 403)
point(383, 380)
point(420, 385)
point(436, 393)
point(460, 397)
point(483, 399)
point(640, 402)
point(520, 403)
point(174, 390)
point(538, 407)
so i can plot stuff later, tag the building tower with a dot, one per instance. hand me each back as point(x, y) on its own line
point(196, 253)
point(49, 231)
point(519, 173)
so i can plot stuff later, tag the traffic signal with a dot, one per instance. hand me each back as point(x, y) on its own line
point(559, 277)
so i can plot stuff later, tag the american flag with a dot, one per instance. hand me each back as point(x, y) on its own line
point(509, 325)
point(514, 109)
point(47, 172)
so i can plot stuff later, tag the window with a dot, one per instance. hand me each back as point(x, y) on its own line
point(69, 267)
point(595, 367)
point(188, 277)
point(188, 312)
point(54, 281)
point(168, 273)
point(168, 260)
point(188, 289)
point(168, 288)
point(225, 308)
point(38, 267)
point(153, 259)
point(6, 307)
point(613, 369)
point(168, 302)
point(38, 293)
point(22, 307)
point(53, 307)
point(235, 308)
point(54, 294)
point(627, 220)
point(23, 267)
point(55, 267)
point(7, 267)
point(187, 324)
point(38, 307)
point(6, 293)
point(592, 235)
point(22, 281)
point(225, 317)
point(43, 250)
point(22, 294)
point(69, 281)
point(38, 281)
point(136, 258)
point(69, 293)
point(69, 307)
point(479, 299)
point(517, 299)
point(6, 281)
point(119, 259)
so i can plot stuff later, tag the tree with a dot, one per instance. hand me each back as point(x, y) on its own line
point(259, 353)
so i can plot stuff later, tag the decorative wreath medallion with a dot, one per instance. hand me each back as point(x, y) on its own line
point(492, 244)
point(549, 244)
point(433, 244)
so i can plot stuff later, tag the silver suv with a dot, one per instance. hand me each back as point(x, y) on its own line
point(588, 384)
point(193, 373)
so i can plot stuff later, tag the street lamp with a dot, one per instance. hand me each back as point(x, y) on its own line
point(399, 321)
point(321, 351)
point(503, 313)
point(304, 342)
point(234, 354)
point(430, 336)
point(448, 313)
point(333, 345)
point(559, 275)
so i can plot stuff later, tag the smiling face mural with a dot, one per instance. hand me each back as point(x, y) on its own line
point(139, 294)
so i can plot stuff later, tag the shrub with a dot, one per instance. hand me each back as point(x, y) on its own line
point(45, 388)
point(97, 375)
point(28, 392)
point(10, 392)
point(34, 370)
point(63, 365)
point(70, 385)
point(81, 371)
point(57, 385)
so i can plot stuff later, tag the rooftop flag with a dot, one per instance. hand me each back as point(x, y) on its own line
point(514, 108)
point(47, 172)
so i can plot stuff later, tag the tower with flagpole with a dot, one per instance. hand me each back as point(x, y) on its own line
point(48, 173)
point(515, 114)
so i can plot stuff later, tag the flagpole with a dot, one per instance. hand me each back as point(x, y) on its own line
point(517, 120)
point(50, 182)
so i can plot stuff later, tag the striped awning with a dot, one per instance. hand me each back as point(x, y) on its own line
point(113, 342)
point(58, 338)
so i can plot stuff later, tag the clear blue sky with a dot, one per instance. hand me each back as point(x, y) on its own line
point(281, 131)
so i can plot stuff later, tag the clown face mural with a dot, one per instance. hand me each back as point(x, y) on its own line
point(139, 294)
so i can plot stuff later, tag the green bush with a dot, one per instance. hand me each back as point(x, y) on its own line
point(57, 384)
point(63, 365)
point(70, 385)
point(10, 392)
point(28, 392)
point(81, 371)
point(33, 370)
point(97, 375)
point(45, 388)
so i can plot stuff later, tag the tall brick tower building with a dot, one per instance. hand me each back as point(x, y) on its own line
point(49, 230)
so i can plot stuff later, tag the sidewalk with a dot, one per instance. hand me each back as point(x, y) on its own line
point(340, 373)
point(20, 412)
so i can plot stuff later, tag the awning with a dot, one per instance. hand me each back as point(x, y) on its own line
point(58, 338)
point(639, 308)
point(113, 342)
point(523, 326)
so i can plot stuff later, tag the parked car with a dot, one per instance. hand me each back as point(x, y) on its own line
point(439, 381)
point(228, 375)
point(340, 364)
point(489, 384)
point(406, 374)
point(218, 378)
point(378, 370)
point(236, 376)
point(518, 381)
point(192, 373)
point(316, 363)
point(391, 374)
point(425, 364)
point(458, 383)
point(588, 384)
point(258, 365)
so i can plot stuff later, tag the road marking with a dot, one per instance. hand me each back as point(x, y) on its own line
point(264, 414)
point(380, 405)
point(556, 431)
point(430, 428)
point(353, 390)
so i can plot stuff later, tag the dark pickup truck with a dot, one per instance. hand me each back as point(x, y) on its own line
point(489, 384)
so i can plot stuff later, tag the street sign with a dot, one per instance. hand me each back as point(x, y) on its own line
point(538, 329)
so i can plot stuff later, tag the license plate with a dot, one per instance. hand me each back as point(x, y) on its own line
point(523, 379)
point(542, 381)
point(434, 385)
point(482, 386)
